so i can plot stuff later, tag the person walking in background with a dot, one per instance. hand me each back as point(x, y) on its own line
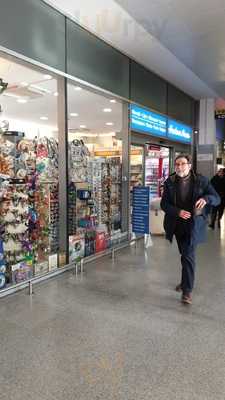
point(186, 201)
point(218, 182)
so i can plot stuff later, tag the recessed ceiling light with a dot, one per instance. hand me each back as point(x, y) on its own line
point(56, 94)
point(22, 101)
point(15, 96)
point(83, 126)
point(78, 88)
point(44, 118)
point(112, 101)
point(73, 114)
point(47, 76)
point(106, 134)
point(24, 84)
point(109, 123)
point(107, 110)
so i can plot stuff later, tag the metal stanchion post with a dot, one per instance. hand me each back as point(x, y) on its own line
point(75, 269)
point(82, 266)
point(30, 288)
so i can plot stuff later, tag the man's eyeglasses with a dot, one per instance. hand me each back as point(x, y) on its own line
point(181, 164)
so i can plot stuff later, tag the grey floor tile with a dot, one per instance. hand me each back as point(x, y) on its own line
point(119, 331)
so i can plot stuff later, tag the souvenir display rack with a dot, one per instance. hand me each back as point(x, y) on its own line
point(29, 231)
point(152, 175)
point(136, 175)
point(29, 218)
point(94, 206)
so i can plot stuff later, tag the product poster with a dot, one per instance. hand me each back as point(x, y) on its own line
point(53, 262)
point(76, 248)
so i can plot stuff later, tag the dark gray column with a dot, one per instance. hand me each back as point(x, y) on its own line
point(125, 136)
point(206, 152)
point(63, 170)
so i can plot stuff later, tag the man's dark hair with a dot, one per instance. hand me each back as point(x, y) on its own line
point(183, 155)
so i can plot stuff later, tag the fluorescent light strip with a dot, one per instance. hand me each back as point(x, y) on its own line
point(107, 134)
point(48, 77)
point(22, 101)
point(93, 135)
point(40, 89)
point(11, 95)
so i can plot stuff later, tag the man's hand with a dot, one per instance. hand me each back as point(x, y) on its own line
point(184, 214)
point(200, 203)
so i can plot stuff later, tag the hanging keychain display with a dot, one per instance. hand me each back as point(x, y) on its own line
point(2, 266)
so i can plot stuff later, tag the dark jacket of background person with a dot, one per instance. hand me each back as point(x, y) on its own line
point(197, 225)
point(218, 182)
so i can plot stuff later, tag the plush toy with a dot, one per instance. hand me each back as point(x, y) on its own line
point(4, 165)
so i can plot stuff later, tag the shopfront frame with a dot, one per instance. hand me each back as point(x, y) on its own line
point(62, 117)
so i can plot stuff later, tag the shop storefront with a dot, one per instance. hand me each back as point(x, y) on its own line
point(65, 154)
point(40, 232)
point(95, 169)
point(220, 136)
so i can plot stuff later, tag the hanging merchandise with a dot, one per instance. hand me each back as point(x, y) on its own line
point(15, 219)
point(90, 237)
point(47, 159)
point(46, 202)
point(156, 168)
point(54, 217)
point(72, 224)
point(2, 266)
point(84, 208)
point(29, 218)
point(78, 159)
point(94, 197)
point(105, 181)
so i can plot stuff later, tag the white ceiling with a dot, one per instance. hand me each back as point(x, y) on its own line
point(39, 94)
point(137, 29)
point(193, 31)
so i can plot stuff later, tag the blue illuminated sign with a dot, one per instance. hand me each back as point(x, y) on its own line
point(147, 121)
point(179, 132)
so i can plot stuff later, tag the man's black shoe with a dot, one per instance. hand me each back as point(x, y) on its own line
point(178, 288)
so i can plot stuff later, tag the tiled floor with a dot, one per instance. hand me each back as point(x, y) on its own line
point(119, 332)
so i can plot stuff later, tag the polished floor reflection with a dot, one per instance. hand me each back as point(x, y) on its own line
point(120, 331)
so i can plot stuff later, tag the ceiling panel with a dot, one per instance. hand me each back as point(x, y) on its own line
point(193, 31)
point(112, 23)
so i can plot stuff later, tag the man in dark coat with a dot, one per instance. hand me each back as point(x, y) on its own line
point(218, 182)
point(186, 201)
